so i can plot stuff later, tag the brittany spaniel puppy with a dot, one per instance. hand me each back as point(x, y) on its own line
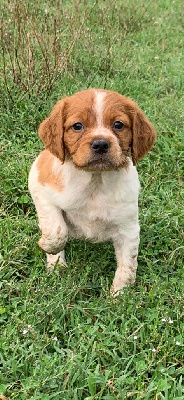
point(85, 183)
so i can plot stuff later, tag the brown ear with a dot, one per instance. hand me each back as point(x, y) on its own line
point(51, 131)
point(144, 135)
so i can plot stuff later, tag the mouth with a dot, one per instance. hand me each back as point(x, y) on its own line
point(103, 163)
point(100, 162)
point(107, 164)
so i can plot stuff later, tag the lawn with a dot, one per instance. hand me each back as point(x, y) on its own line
point(66, 338)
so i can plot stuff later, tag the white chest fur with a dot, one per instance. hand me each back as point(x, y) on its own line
point(95, 206)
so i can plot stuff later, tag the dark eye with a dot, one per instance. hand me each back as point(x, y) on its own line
point(118, 125)
point(77, 127)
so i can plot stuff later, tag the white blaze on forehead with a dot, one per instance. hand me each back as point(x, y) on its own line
point(99, 106)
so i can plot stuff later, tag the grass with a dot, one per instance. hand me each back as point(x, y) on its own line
point(68, 339)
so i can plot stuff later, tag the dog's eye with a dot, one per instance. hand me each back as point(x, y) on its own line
point(118, 125)
point(77, 127)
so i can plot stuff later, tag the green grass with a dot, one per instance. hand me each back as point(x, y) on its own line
point(66, 338)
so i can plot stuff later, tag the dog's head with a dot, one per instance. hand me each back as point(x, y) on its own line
point(97, 130)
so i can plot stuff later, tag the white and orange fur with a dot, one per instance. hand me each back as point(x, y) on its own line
point(85, 183)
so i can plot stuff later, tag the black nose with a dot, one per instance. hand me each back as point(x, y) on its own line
point(100, 146)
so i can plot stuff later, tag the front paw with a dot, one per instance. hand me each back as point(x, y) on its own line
point(121, 280)
point(115, 290)
point(51, 245)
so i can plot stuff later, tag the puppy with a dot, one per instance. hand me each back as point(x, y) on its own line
point(85, 183)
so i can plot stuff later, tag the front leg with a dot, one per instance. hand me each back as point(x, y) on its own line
point(126, 250)
point(54, 232)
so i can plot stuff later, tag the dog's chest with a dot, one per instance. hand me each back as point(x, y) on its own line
point(90, 214)
point(95, 206)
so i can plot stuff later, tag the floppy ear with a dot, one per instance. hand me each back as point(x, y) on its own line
point(51, 131)
point(144, 135)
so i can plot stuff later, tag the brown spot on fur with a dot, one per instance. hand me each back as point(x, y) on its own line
point(46, 174)
point(58, 230)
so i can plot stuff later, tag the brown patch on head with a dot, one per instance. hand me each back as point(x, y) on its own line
point(46, 173)
point(79, 107)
